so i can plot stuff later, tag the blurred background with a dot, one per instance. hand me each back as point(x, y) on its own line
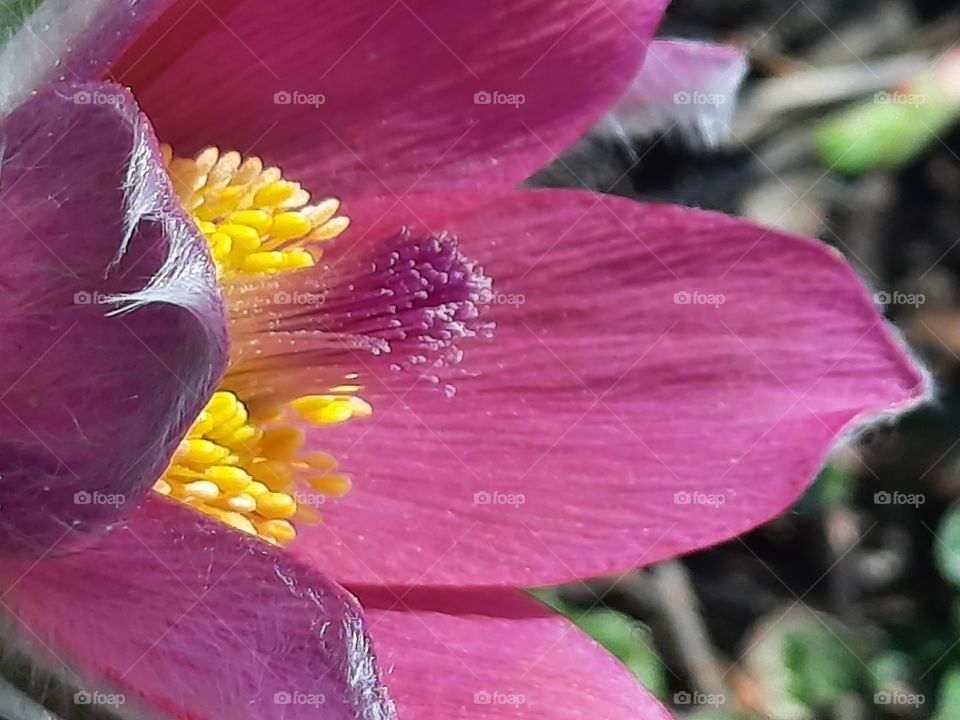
point(848, 605)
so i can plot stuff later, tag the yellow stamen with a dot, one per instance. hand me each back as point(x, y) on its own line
point(330, 409)
point(249, 472)
point(255, 221)
point(335, 485)
point(279, 531)
point(230, 468)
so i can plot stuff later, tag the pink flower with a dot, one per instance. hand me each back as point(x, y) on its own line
point(562, 384)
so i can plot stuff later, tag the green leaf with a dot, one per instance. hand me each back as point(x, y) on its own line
point(623, 636)
point(946, 548)
point(889, 669)
point(834, 487)
point(13, 13)
point(948, 696)
point(802, 662)
point(889, 130)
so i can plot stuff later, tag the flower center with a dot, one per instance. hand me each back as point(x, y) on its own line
point(239, 465)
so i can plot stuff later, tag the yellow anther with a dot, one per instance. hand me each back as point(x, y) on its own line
point(199, 451)
point(217, 203)
point(289, 225)
point(220, 245)
point(256, 219)
point(321, 212)
point(243, 435)
point(228, 479)
point(226, 167)
point(320, 461)
point(223, 405)
point(256, 489)
point(299, 198)
point(263, 262)
point(228, 429)
point(360, 407)
point(274, 505)
point(281, 443)
point(246, 236)
point(306, 515)
point(275, 193)
point(275, 474)
point(201, 489)
point(235, 519)
point(182, 473)
point(331, 229)
point(250, 170)
point(330, 409)
point(201, 425)
point(241, 503)
point(297, 259)
point(206, 160)
point(162, 486)
point(335, 485)
point(280, 530)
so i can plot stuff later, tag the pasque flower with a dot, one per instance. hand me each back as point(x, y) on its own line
point(224, 401)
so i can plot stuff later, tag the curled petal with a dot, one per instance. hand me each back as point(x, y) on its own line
point(380, 96)
point(658, 379)
point(113, 326)
point(177, 615)
point(689, 85)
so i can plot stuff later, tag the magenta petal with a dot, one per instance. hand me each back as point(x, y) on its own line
point(70, 41)
point(187, 617)
point(659, 379)
point(495, 654)
point(380, 96)
point(689, 85)
point(112, 325)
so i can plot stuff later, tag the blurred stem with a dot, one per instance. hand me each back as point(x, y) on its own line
point(842, 531)
point(16, 705)
point(678, 604)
